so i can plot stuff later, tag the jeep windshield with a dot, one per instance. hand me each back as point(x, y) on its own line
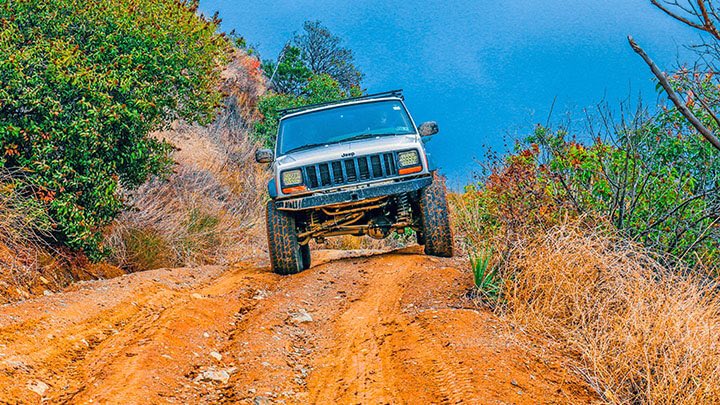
point(343, 123)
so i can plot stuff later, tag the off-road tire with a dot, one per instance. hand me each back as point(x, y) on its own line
point(435, 219)
point(285, 255)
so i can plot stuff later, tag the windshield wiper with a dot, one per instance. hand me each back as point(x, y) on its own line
point(309, 146)
point(363, 136)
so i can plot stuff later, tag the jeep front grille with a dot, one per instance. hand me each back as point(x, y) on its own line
point(353, 170)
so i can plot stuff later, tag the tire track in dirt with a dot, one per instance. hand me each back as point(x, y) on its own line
point(105, 341)
point(358, 327)
point(365, 366)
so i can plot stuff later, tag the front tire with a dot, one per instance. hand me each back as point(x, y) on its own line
point(435, 219)
point(285, 251)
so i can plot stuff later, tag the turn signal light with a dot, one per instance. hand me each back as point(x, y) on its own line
point(409, 170)
point(296, 189)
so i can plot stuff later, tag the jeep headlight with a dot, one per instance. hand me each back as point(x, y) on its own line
point(408, 158)
point(292, 177)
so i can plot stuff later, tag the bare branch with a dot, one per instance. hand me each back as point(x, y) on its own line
point(709, 111)
point(684, 110)
point(678, 17)
point(708, 25)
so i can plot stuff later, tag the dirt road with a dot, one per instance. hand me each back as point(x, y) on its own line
point(357, 327)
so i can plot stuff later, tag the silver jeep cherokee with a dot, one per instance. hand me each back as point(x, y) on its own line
point(352, 167)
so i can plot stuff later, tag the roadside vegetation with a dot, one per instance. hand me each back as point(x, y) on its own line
point(117, 158)
point(209, 210)
point(606, 240)
point(84, 86)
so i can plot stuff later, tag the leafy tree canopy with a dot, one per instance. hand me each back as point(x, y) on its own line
point(290, 76)
point(83, 83)
point(315, 51)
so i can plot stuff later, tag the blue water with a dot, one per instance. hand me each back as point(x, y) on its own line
point(486, 71)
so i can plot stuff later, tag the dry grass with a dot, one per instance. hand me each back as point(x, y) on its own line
point(210, 209)
point(635, 329)
point(29, 265)
point(639, 332)
point(23, 221)
point(23, 225)
point(207, 212)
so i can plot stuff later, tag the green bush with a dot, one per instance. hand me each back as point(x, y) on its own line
point(82, 84)
point(655, 181)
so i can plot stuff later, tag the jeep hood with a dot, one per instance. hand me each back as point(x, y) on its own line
point(360, 147)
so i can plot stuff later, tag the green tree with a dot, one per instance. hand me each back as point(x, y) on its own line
point(323, 54)
point(82, 85)
point(290, 76)
point(315, 51)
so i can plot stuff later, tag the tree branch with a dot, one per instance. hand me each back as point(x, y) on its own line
point(676, 16)
point(709, 25)
point(709, 111)
point(684, 110)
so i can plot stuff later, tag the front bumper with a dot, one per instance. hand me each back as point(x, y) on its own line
point(340, 197)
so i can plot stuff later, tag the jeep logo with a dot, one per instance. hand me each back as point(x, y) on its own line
point(348, 154)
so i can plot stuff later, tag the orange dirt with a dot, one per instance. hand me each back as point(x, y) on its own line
point(358, 327)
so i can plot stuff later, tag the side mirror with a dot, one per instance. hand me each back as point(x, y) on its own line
point(264, 156)
point(428, 128)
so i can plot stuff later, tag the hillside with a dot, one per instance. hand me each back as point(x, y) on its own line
point(134, 262)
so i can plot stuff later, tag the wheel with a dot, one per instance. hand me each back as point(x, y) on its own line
point(305, 254)
point(283, 246)
point(435, 219)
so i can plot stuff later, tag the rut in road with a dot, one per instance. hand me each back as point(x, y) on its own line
point(358, 327)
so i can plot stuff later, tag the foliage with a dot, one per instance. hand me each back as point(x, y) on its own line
point(653, 179)
point(657, 184)
point(318, 89)
point(290, 76)
point(485, 276)
point(323, 54)
point(316, 51)
point(82, 84)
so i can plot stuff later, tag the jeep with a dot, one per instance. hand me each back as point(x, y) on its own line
point(352, 167)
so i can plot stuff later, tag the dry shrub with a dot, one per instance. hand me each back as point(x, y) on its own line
point(29, 263)
point(23, 227)
point(23, 220)
point(639, 332)
point(209, 210)
point(205, 213)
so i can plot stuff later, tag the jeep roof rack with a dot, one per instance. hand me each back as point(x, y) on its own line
point(392, 93)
